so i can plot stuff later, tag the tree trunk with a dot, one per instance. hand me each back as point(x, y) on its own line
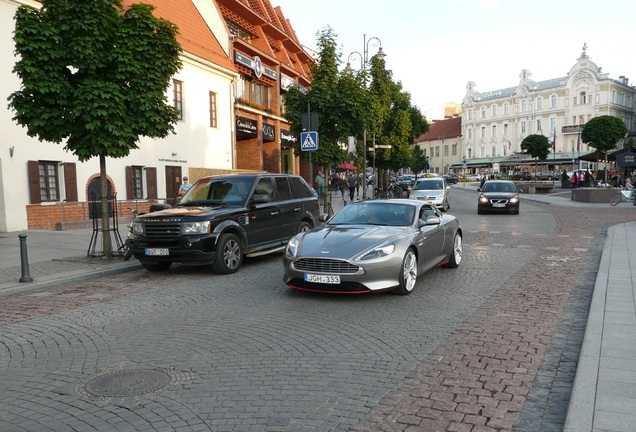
point(106, 240)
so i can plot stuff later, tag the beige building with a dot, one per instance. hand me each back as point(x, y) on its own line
point(494, 123)
point(442, 144)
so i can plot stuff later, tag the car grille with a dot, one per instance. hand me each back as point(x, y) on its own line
point(162, 229)
point(499, 201)
point(325, 265)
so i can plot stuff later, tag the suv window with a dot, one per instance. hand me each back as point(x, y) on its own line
point(264, 187)
point(299, 190)
point(283, 191)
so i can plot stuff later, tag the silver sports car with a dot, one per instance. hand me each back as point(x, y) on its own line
point(371, 246)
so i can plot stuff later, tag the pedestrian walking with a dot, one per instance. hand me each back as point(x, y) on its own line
point(320, 184)
point(342, 185)
point(482, 180)
point(352, 186)
point(185, 186)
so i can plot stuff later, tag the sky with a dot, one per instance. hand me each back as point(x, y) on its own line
point(436, 47)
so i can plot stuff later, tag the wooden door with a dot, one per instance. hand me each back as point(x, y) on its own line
point(173, 181)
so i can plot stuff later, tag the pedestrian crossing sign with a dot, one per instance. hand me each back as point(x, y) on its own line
point(309, 141)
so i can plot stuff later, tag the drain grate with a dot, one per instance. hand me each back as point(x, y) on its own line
point(129, 383)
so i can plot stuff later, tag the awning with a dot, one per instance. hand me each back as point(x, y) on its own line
point(626, 159)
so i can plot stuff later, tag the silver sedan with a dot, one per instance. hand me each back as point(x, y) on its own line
point(371, 246)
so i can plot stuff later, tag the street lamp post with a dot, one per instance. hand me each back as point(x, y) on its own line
point(364, 59)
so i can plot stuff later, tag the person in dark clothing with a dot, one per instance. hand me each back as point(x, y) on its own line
point(352, 180)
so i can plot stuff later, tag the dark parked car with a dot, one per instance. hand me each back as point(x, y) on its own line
point(521, 175)
point(451, 178)
point(221, 219)
point(498, 196)
point(406, 181)
point(372, 246)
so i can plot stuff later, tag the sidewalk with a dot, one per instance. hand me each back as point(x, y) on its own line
point(604, 391)
point(54, 258)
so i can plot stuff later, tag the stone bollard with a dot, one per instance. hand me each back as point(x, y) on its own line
point(26, 277)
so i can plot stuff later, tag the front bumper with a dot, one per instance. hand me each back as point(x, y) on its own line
point(377, 276)
point(188, 250)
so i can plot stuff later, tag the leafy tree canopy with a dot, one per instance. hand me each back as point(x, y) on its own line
point(604, 132)
point(94, 74)
point(537, 146)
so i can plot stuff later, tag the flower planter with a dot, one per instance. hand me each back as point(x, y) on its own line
point(593, 195)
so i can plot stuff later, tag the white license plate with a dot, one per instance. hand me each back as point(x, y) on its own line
point(156, 252)
point(322, 279)
point(498, 205)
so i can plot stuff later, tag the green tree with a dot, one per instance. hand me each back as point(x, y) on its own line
point(339, 100)
point(420, 163)
point(603, 133)
point(395, 120)
point(94, 76)
point(537, 146)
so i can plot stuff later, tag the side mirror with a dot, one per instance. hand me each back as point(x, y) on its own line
point(260, 199)
point(433, 220)
point(478, 189)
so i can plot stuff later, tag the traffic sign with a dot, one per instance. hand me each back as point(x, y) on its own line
point(464, 166)
point(309, 141)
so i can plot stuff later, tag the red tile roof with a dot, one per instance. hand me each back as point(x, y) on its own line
point(195, 36)
point(447, 128)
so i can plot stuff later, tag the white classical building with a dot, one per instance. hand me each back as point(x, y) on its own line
point(42, 185)
point(494, 123)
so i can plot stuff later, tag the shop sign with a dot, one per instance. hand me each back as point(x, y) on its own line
point(287, 139)
point(246, 128)
point(268, 132)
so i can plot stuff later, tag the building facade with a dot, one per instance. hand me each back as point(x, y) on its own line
point(269, 59)
point(441, 145)
point(494, 123)
point(229, 95)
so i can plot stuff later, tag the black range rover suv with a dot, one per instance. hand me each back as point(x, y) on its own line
point(223, 218)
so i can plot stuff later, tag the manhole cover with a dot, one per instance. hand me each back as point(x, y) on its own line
point(128, 383)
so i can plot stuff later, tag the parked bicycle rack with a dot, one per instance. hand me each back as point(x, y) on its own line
point(95, 212)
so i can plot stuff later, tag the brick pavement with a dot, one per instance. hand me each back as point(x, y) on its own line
point(481, 377)
point(492, 368)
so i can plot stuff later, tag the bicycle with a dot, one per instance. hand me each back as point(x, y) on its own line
point(623, 193)
point(392, 191)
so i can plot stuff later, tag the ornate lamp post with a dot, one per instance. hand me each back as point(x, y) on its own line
point(364, 59)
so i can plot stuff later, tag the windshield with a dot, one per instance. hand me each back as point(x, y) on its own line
point(375, 214)
point(218, 191)
point(499, 187)
point(429, 184)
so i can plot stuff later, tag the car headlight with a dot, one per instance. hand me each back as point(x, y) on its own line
point(137, 228)
point(377, 252)
point(514, 199)
point(483, 199)
point(292, 246)
point(195, 227)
